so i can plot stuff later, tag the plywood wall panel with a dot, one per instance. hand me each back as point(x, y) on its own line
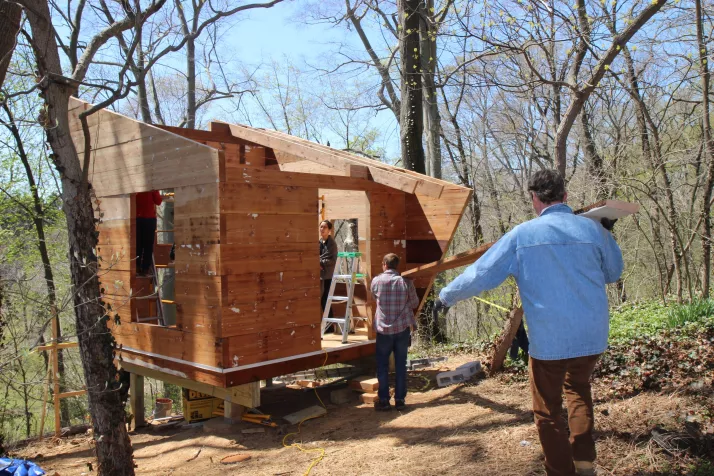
point(129, 156)
point(269, 345)
point(266, 198)
point(256, 228)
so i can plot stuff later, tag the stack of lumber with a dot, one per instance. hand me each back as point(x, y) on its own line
point(367, 386)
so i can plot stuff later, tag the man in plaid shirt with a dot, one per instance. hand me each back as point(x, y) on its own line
point(396, 301)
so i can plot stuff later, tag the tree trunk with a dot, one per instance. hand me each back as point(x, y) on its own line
point(10, 15)
point(191, 84)
point(411, 118)
point(432, 118)
point(96, 344)
point(709, 148)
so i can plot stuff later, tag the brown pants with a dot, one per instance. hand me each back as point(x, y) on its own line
point(549, 378)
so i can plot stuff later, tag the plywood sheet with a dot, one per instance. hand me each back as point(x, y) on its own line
point(266, 198)
point(169, 342)
point(269, 345)
point(264, 316)
point(129, 156)
point(254, 228)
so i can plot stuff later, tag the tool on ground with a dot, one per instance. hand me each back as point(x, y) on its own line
point(347, 272)
point(258, 419)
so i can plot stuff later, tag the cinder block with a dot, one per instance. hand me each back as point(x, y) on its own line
point(342, 396)
point(469, 369)
point(444, 379)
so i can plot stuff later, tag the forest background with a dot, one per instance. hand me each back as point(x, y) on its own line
point(615, 94)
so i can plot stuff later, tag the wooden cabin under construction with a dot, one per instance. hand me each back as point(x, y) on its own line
point(247, 206)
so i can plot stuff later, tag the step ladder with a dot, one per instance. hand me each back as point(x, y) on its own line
point(156, 294)
point(346, 271)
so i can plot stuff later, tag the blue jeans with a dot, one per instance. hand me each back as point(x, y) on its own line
point(386, 344)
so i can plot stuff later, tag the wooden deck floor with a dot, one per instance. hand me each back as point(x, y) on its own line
point(334, 341)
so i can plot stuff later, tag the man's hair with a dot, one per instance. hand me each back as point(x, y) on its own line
point(548, 185)
point(326, 222)
point(391, 260)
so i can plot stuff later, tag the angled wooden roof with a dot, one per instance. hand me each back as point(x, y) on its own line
point(129, 156)
point(340, 161)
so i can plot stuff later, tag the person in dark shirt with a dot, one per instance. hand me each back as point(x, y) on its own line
point(328, 258)
point(146, 203)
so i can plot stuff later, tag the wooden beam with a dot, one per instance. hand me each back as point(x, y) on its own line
point(220, 135)
point(136, 400)
point(426, 185)
point(461, 259)
point(298, 179)
point(506, 338)
point(247, 394)
point(63, 345)
point(333, 158)
point(69, 394)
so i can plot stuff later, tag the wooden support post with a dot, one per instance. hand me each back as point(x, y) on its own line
point(44, 403)
point(232, 412)
point(136, 399)
point(55, 376)
point(504, 341)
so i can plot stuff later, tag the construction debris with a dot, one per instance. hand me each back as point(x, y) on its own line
point(309, 412)
point(238, 458)
point(364, 384)
point(461, 374)
point(416, 364)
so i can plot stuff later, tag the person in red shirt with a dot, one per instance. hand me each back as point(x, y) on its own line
point(146, 203)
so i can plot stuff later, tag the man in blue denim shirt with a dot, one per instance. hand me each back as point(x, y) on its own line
point(561, 263)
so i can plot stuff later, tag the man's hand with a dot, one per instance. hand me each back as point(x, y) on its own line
point(440, 306)
point(607, 223)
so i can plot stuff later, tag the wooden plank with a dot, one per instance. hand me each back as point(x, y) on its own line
point(505, 339)
point(240, 259)
point(264, 316)
point(76, 393)
point(197, 200)
point(136, 399)
point(198, 230)
point(118, 207)
point(115, 282)
point(387, 216)
point(461, 259)
point(113, 257)
point(425, 185)
point(261, 198)
point(179, 369)
point(254, 228)
point(612, 209)
point(129, 156)
point(324, 156)
point(273, 344)
point(222, 135)
point(289, 366)
point(296, 179)
point(116, 232)
point(246, 394)
point(169, 342)
point(395, 177)
point(314, 411)
point(261, 286)
point(61, 345)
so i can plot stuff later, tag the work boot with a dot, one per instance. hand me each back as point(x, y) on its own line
point(585, 468)
point(400, 405)
point(382, 406)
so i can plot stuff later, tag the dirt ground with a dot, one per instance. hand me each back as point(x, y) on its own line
point(483, 428)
